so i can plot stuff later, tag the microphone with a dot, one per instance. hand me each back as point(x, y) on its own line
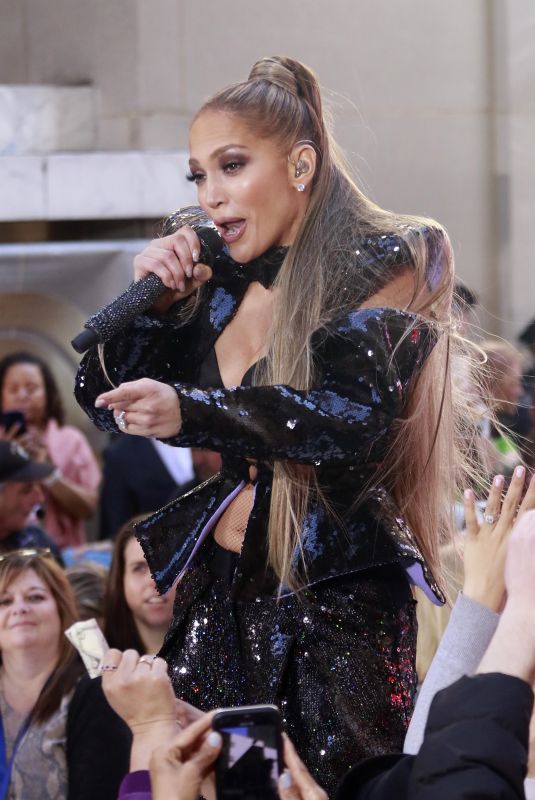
point(141, 294)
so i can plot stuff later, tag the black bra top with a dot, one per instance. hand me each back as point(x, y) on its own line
point(210, 376)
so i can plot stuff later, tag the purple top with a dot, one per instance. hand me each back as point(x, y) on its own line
point(416, 576)
point(135, 786)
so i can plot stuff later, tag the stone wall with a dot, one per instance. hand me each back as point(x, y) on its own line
point(433, 101)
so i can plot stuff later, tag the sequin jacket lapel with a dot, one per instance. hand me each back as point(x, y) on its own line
point(341, 426)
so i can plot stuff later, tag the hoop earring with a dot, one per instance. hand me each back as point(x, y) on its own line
point(300, 187)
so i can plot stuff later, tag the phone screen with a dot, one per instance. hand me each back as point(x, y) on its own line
point(10, 418)
point(249, 765)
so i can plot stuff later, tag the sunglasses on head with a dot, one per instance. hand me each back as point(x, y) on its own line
point(27, 552)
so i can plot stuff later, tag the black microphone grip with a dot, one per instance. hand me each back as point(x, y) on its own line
point(139, 296)
point(142, 294)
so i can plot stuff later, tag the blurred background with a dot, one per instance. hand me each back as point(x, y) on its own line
point(433, 102)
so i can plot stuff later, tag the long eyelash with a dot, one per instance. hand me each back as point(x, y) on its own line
point(190, 177)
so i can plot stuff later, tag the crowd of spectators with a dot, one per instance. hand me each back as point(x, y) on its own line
point(64, 739)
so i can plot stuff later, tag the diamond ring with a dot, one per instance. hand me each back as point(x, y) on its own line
point(120, 419)
point(490, 519)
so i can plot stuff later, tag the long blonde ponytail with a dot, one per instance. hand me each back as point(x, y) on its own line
point(281, 99)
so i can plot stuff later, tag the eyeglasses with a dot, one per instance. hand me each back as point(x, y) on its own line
point(27, 552)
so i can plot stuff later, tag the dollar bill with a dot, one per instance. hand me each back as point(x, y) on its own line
point(89, 640)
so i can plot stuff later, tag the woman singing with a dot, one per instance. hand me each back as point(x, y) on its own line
point(314, 357)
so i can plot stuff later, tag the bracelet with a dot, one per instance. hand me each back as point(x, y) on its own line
point(54, 477)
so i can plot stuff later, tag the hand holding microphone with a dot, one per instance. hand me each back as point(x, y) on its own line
point(177, 263)
point(176, 260)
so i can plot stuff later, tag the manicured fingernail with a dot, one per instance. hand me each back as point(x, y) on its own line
point(468, 494)
point(214, 739)
point(286, 780)
point(99, 403)
point(181, 286)
point(498, 480)
point(195, 254)
point(520, 471)
point(189, 271)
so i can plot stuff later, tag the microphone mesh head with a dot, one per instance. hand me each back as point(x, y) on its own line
point(211, 242)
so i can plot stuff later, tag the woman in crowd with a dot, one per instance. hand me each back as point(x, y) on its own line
point(314, 357)
point(136, 616)
point(61, 739)
point(71, 492)
point(88, 581)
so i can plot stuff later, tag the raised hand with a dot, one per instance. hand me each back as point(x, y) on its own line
point(174, 259)
point(485, 546)
point(296, 783)
point(138, 689)
point(181, 768)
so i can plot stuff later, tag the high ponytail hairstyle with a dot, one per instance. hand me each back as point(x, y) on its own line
point(281, 100)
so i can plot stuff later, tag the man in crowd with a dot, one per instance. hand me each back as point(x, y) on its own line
point(20, 494)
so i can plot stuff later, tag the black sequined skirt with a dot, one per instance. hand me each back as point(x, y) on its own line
point(338, 660)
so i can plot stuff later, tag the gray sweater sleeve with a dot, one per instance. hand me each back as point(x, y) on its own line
point(470, 628)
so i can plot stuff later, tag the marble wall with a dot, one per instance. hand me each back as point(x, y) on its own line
point(42, 119)
point(93, 185)
point(433, 101)
point(518, 268)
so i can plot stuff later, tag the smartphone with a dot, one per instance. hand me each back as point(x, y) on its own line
point(250, 761)
point(10, 418)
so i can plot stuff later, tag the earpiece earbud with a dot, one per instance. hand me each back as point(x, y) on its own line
point(300, 168)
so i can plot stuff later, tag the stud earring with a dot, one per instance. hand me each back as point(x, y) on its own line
point(300, 187)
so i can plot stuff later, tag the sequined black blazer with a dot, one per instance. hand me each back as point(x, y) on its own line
point(366, 361)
